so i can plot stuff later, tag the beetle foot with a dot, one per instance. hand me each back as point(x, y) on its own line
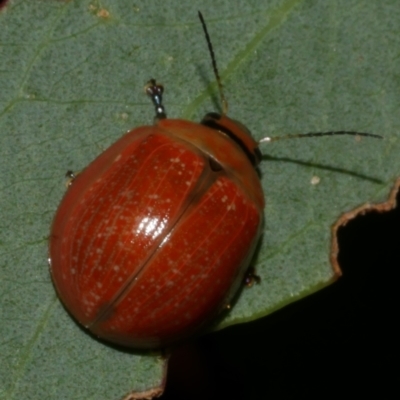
point(251, 278)
point(155, 91)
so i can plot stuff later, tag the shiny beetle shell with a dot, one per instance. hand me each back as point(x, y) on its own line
point(153, 239)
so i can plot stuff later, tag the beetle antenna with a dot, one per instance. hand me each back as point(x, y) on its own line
point(214, 66)
point(315, 134)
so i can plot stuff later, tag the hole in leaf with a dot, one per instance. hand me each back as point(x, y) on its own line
point(339, 339)
point(369, 256)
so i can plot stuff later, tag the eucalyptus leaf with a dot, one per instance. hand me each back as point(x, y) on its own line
point(71, 83)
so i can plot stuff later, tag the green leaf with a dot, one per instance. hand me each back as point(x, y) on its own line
point(71, 82)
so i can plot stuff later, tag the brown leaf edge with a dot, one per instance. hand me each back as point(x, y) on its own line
point(388, 205)
point(155, 392)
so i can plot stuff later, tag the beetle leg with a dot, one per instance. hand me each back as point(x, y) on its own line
point(155, 92)
point(251, 277)
point(71, 177)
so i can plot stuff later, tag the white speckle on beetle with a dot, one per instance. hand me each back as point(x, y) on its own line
point(119, 156)
point(231, 207)
point(99, 285)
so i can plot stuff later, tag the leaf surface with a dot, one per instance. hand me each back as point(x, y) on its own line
point(71, 82)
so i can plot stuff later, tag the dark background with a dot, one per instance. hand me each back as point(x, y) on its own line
point(342, 340)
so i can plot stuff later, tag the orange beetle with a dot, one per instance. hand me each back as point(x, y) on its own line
point(153, 239)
